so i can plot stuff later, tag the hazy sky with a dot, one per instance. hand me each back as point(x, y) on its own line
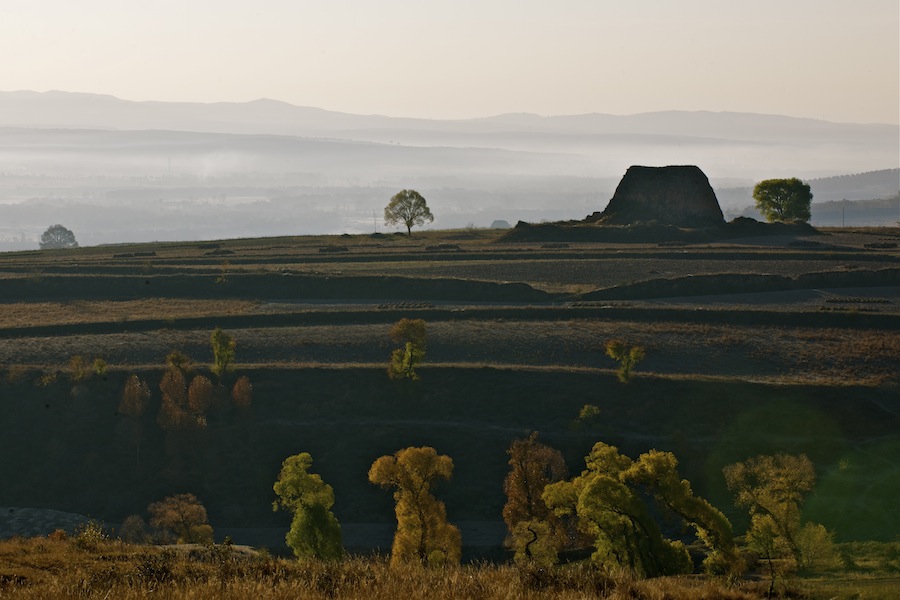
point(837, 60)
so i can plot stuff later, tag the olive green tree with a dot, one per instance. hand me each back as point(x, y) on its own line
point(314, 531)
point(617, 502)
point(773, 488)
point(410, 334)
point(783, 199)
point(626, 356)
point(223, 347)
point(407, 207)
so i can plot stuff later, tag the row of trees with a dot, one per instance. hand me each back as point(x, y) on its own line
point(620, 506)
point(187, 398)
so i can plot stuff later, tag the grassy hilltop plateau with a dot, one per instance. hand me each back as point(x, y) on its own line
point(784, 340)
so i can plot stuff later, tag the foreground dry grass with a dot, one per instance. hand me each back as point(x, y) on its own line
point(92, 566)
point(55, 569)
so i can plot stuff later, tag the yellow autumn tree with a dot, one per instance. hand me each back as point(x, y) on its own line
point(423, 534)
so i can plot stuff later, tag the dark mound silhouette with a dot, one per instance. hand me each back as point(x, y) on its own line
point(661, 205)
point(674, 195)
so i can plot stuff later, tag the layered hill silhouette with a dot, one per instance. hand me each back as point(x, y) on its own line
point(103, 165)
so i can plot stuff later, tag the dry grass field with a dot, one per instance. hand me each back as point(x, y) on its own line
point(805, 359)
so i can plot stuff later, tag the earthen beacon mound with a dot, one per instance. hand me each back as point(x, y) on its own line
point(674, 195)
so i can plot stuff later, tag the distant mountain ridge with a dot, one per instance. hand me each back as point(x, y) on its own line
point(113, 169)
point(92, 111)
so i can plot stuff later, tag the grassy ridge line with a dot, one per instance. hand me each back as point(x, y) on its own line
point(354, 255)
point(841, 320)
point(745, 283)
point(379, 288)
point(276, 285)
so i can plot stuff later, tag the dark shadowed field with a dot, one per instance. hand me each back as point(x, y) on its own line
point(762, 344)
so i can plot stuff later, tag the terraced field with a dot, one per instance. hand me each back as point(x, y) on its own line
point(753, 345)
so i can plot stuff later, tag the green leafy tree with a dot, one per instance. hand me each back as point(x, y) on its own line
point(223, 347)
point(410, 334)
point(626, 356)
point(423, 534)
point(535, 533)
point(315, 531)
point(57, 237)
point(773, 488)
point(783, 199)
point(182, 516)
point(612, 502)
point(407, 207)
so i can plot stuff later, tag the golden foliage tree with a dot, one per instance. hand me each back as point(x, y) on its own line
point(423, 534)
point(182, 516)
point(535, 532)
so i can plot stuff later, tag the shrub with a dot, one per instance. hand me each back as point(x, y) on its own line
point(182, 516)
point(78, 368)
point(88, 536)
point(134, 530)
point(180, 361)
point(100, 367)
point(46, 379)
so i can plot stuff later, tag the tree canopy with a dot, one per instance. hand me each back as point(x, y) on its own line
point(610, 500)
point(535, 532)
point(315, 531)
point(407, 207)
point(183, 516)
point(410, 334)
point(772, 489)
point(56, 237)
point(223, 347)
point(783, 199)
point(423, 533)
